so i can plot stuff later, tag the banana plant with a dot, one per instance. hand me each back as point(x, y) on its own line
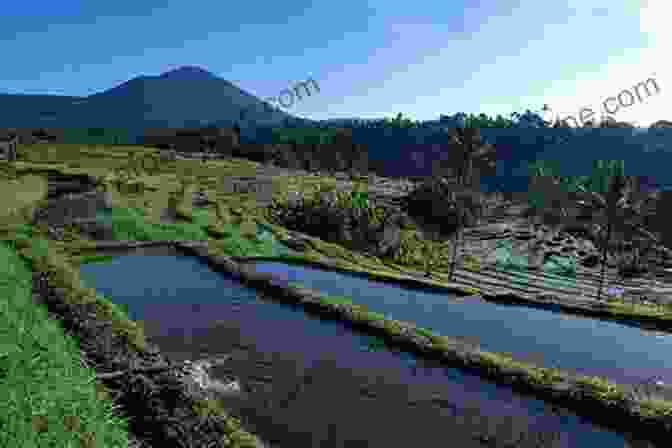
point(609, 196)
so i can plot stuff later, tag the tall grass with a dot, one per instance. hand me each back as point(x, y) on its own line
point(17, 196)
point(46, 397)
point(129, 224)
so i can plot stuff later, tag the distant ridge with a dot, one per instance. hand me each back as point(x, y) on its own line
point(181, 97)
point(188, 73)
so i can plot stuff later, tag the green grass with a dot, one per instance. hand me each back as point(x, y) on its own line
point(425, 332)
point(620, 309)
point(19, 195)
point(46, 397)
point(45, 382)
point(64, 390)
point(130, 224)
point(237, 246)
point(95, 259)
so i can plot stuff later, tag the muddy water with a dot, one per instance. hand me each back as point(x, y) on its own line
point(589, 346)
point(308, 382)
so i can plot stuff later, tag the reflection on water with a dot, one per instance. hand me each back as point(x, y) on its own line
point(589, 346)
point(187, 308)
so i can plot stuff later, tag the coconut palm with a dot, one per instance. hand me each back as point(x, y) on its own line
point(638, 237)
point(468, 157)
point(619, 210)
point(613, 199)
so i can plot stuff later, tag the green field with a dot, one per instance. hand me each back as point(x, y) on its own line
point(47, 398)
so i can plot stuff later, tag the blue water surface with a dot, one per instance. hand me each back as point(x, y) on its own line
point(182, 296)
point(623, 353)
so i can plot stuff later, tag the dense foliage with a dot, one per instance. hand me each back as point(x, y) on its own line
point(402, 147)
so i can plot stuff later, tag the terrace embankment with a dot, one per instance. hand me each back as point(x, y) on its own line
point(570, 281)
point(496, 283)
point(278, 354)
point(162, 399)
point(576, 293)
point(596, 399)
point(593, 398)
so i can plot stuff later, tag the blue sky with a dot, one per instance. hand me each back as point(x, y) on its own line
point(370, 58)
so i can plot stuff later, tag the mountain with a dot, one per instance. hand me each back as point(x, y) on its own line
point(191, 96)
point(183, 97)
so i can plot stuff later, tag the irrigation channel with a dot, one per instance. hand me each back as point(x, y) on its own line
point(313, 382)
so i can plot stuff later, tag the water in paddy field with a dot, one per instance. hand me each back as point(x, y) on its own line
point(291, 364)
point(625, 354)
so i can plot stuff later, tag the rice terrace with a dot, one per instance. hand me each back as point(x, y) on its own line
point(335, 225)
point(154, 297)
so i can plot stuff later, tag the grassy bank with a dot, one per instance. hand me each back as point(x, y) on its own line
point(545, 382)
point(62, 387)
point(134, 225)
point(47, 398)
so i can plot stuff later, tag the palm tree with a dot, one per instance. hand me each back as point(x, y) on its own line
point(614, 199)
point(621, 209)
point(468, 156)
